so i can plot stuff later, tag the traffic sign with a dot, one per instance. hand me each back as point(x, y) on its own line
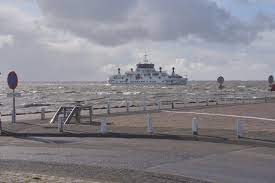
point(12, 80)
point(220, 80)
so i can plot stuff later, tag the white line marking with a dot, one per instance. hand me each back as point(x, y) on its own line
point(222, 115)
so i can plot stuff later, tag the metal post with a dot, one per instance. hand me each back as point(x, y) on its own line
point(13, 108)
point(103, 127)
point(239, 128)
point(78, 115)
point(197, 101)
point(184, 101)
point(60, 123)
point(195, 126)
point(91, 113)
point(65, 112)
point(43, 115)
point(159, 105)
point(207, 101)
point(127, 106)
point(144, 103)
point(108, 106)
point(150, 129)
point(0, 124)
point(173, 106)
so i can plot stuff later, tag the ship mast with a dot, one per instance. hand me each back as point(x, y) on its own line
point(145, 59)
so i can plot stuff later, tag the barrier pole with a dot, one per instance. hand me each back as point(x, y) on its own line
point(150, 129)
point(144, 103)
point(127, 106)
point(43, 115)
point(91, 111)
point(60, 124)
point(108, 107)
point(0, 124)
point(159, 105)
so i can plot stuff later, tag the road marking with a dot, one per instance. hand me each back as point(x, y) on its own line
point(222, 115)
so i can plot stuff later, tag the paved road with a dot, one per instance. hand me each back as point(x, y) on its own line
point(201, 160)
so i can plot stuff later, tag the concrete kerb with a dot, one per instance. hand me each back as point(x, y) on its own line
point(242, 141)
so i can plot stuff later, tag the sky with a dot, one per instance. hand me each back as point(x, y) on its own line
point(69, 40)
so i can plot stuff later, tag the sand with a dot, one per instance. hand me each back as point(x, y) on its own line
point(164, 122)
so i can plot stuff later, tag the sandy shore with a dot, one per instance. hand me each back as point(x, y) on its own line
point(166, 122)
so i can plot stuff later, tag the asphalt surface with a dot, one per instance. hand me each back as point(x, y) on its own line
point(138, 160)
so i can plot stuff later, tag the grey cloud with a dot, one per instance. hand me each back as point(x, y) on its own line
point(88, 10)
point(117, 22)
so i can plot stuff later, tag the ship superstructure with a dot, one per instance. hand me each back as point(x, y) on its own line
point(146, 73)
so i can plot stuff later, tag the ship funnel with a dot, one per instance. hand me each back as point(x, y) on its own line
point(118, 70)
point(173, 70)
point(160, 69)
point(131, 69)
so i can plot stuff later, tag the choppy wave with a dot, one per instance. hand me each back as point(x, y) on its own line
point(53, 94)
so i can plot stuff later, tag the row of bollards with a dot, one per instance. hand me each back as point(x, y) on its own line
point(239, 128)
point(150, 129)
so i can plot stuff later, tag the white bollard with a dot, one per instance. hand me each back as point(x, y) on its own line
point(150, 129)
point(239, 128)
point(60, 123)
point(195, 126)
point(43, 115)
point(103, 127)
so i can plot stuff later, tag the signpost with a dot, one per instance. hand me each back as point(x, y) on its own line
point(13, 82)
point(220, 80)
point(270, 81)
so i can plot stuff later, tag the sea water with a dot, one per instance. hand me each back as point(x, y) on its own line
point(51, 95)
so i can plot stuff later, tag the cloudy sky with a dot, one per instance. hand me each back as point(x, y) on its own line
point(45, 40)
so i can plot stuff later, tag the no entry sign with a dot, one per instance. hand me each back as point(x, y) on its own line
point(12, 80)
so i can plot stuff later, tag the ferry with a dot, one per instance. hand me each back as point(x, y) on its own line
point(145, 73)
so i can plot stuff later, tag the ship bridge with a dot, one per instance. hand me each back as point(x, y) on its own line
point(145, 65)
